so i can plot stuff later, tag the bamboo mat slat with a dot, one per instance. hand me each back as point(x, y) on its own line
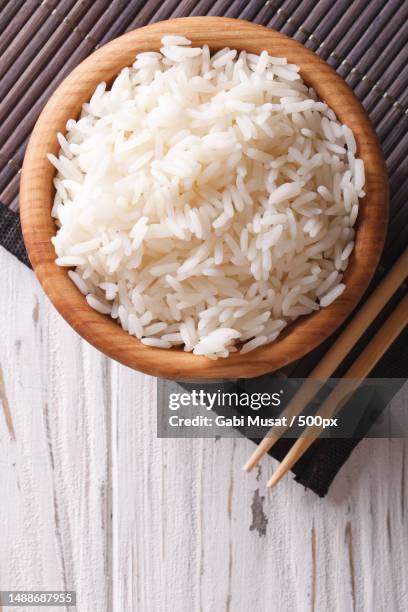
point(12, 16)
point(24, 49)
point(364, 40)
point(121, 22)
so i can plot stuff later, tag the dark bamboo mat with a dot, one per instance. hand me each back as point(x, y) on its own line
point(365, 41)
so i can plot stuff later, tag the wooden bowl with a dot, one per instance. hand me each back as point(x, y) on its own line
point(37, 192)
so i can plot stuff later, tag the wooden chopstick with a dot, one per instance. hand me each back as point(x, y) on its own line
point(358, 371)
point(336, 354)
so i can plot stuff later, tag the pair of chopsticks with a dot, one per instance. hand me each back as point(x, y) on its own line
point(332, 359)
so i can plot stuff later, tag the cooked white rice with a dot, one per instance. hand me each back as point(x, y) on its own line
point(206, 201)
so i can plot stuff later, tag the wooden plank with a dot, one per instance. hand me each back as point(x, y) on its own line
point(55, 466)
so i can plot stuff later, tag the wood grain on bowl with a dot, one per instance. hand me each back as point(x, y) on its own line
point(37, 192)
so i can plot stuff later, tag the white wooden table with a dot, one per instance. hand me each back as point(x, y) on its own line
point(92, 501)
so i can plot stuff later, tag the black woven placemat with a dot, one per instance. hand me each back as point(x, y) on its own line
point(366, 42)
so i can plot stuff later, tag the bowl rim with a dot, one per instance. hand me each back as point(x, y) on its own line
point(36, 194)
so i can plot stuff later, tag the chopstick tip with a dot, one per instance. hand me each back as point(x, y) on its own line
point(259, 452)
point(248, 466)
point(275, 478)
